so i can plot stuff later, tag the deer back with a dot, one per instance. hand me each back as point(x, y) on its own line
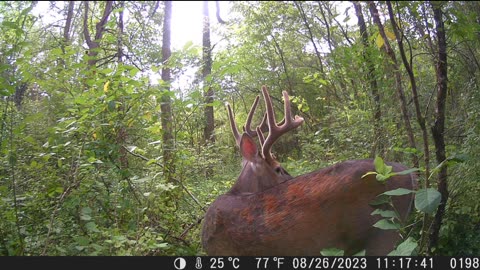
point(329, 208)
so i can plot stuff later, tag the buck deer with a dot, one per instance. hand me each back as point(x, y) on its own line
point(269, 212)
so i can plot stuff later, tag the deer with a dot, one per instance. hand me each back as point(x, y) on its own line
point(268, 212)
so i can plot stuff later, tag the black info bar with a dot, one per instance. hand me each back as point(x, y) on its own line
point(243, 262)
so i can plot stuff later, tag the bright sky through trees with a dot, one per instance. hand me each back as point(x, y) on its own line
point(186, 19)
point(186, 24)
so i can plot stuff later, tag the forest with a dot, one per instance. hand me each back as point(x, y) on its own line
point(115, 143)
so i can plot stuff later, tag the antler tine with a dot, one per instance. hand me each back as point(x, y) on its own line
point(261, 138)
point(247, 127)
point(276, 130)
point(233, 125)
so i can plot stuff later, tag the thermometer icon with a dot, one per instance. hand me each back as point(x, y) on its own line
point(198, 264)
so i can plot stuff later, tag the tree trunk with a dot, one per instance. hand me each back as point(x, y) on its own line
point(122, 133)
point(409, 68)
point(66, 31)
point(310, 34)
point(166, 117)
point(94, 45)
point(439, 125)
point(68, 26)
point(209, 128)
point(398, 80)
point(420, 119)
point(378, 147)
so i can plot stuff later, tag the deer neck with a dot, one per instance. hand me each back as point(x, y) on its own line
point(258, 176)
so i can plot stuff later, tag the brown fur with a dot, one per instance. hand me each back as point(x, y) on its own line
point(323, 209)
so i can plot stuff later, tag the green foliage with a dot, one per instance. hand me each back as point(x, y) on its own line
point(383, 172)
point(427, 200)
point(332, 252)
point(406, 248)
point(82, 152)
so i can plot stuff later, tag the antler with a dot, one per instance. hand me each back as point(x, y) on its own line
point(233, 125)
point(268, 124)
point(276, 130)
point(246, 127)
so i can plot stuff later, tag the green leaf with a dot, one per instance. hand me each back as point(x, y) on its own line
point(323, 82)
point(379, 41)
point(57, 51)
point(360, 253)
point(7, 90)
point(406, 248)
point(161, 245)
point(332, 252)
point(381, 177)
point(386, 224)
point(460, 158)
point(380, 199)
point(381, 167)
point(408, 171)
point(385, 213)
point(134, 72)
point(85, 213)
point(105, 70)
point(427, 200)
point(92, 227)
point(112, 105)
point(82, 240)
point(398, 192)
point(389, 34)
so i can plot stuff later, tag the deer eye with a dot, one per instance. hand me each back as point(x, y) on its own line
point(278, 170)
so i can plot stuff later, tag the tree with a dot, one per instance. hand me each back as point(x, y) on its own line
point(377, 117)
point(166, 117)
point(100, 28)
point(209, 130)
point(398, 79)
point(438, 129)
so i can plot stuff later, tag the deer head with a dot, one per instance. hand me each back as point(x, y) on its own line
point(269, 212)
point(260, 169)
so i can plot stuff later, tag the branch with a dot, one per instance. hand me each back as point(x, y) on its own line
point(219, 19)
point(86, 32)
point(174, 179)
point(140, 156)
point(191, 226)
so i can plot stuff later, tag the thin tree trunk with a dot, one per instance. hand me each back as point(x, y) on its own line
point(219, 18)
point(420, 119)
point(166, 117)
point(327, 26)
point(398, 80)
point(66, 31)
point(209, 129)
point(310, 34)
point(94, 45)
point(409, 68)
point(342, 29)
point(280, 53)
point(68, 25)
point(439, 125)
point(378, 142)
point(122, 134)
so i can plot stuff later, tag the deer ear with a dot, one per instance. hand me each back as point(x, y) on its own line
point(248, 148)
